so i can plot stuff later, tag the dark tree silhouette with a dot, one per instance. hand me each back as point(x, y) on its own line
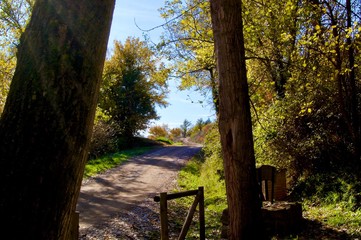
point(46, 124)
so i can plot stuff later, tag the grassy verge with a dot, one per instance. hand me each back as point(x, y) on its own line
point(201, 173)
point(324, 220)
point(331, 199)
point(101, 164)
point(335, 216)
point(164, 140)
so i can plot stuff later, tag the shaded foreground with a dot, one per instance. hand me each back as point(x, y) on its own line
point(142, 222)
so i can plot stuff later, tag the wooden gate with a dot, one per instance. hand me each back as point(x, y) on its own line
point(199, 199)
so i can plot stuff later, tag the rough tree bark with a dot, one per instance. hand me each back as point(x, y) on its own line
point(235, 120)
point(354, 103)
point(48, 116)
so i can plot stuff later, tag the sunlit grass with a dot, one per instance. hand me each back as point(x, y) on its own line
point(337, 216)
point(178, 144)
point(164, 140)
point(199, 173)
point(106, 162)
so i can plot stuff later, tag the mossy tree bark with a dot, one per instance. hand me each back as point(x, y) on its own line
point(235, 121)
point(48, 117)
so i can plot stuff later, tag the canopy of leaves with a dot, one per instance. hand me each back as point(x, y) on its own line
point(310, 125)
point(303, 71)
point(14, 15)
point(187, 43)
point(134, 83)
point(158, 131)
point(175, 133)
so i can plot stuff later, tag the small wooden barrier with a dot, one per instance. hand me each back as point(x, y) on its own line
point(199, 199)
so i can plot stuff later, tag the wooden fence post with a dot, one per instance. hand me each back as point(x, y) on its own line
point(164, 216)
point(198, 201)
point(202, 224)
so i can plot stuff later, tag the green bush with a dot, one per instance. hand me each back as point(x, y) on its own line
point(103, 140)
point(164, 140)
point(329, 189)
point(213, 151)
point(198, 136)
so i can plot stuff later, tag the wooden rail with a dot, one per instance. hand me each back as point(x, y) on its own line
point(198, 200)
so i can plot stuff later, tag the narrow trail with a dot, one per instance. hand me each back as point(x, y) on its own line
point(125, 186)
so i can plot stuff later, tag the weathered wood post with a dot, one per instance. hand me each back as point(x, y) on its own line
point(164, 216)
point(202, 222)
point(199, 200)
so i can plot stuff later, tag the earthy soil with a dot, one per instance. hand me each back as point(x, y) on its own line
point(118, 203)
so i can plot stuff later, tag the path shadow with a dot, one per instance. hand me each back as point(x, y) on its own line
point(138, 222)
point(125, 186)
point(315, 230)
point(161, 156)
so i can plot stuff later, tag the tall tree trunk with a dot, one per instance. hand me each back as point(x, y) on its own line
point(48, 117)
point(235, 120)
point(354, 113)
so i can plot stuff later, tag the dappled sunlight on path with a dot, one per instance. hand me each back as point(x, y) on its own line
point(125, 186)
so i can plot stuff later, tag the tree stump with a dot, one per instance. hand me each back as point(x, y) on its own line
point(280, 218)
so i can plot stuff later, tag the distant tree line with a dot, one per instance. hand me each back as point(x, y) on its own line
point(195, 132)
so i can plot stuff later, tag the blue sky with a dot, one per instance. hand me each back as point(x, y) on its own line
point(183, 104)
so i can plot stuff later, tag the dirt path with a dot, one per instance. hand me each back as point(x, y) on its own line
point(124, 187)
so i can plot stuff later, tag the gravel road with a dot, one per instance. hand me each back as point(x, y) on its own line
point(128, 186)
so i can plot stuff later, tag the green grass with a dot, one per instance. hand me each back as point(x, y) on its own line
point(164, 140)
point(200, 172)
point(331, 199)
point(337, 216)
point(106, 162)
point(333, 212)
point(178, 144)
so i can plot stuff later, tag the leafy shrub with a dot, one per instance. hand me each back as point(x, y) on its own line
point(103, 140)
point(329, 188)
point(158, 131)
point(213, 150)
point(307, 136)
point(198, 135)
point(175, 134)
point(164, 140)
